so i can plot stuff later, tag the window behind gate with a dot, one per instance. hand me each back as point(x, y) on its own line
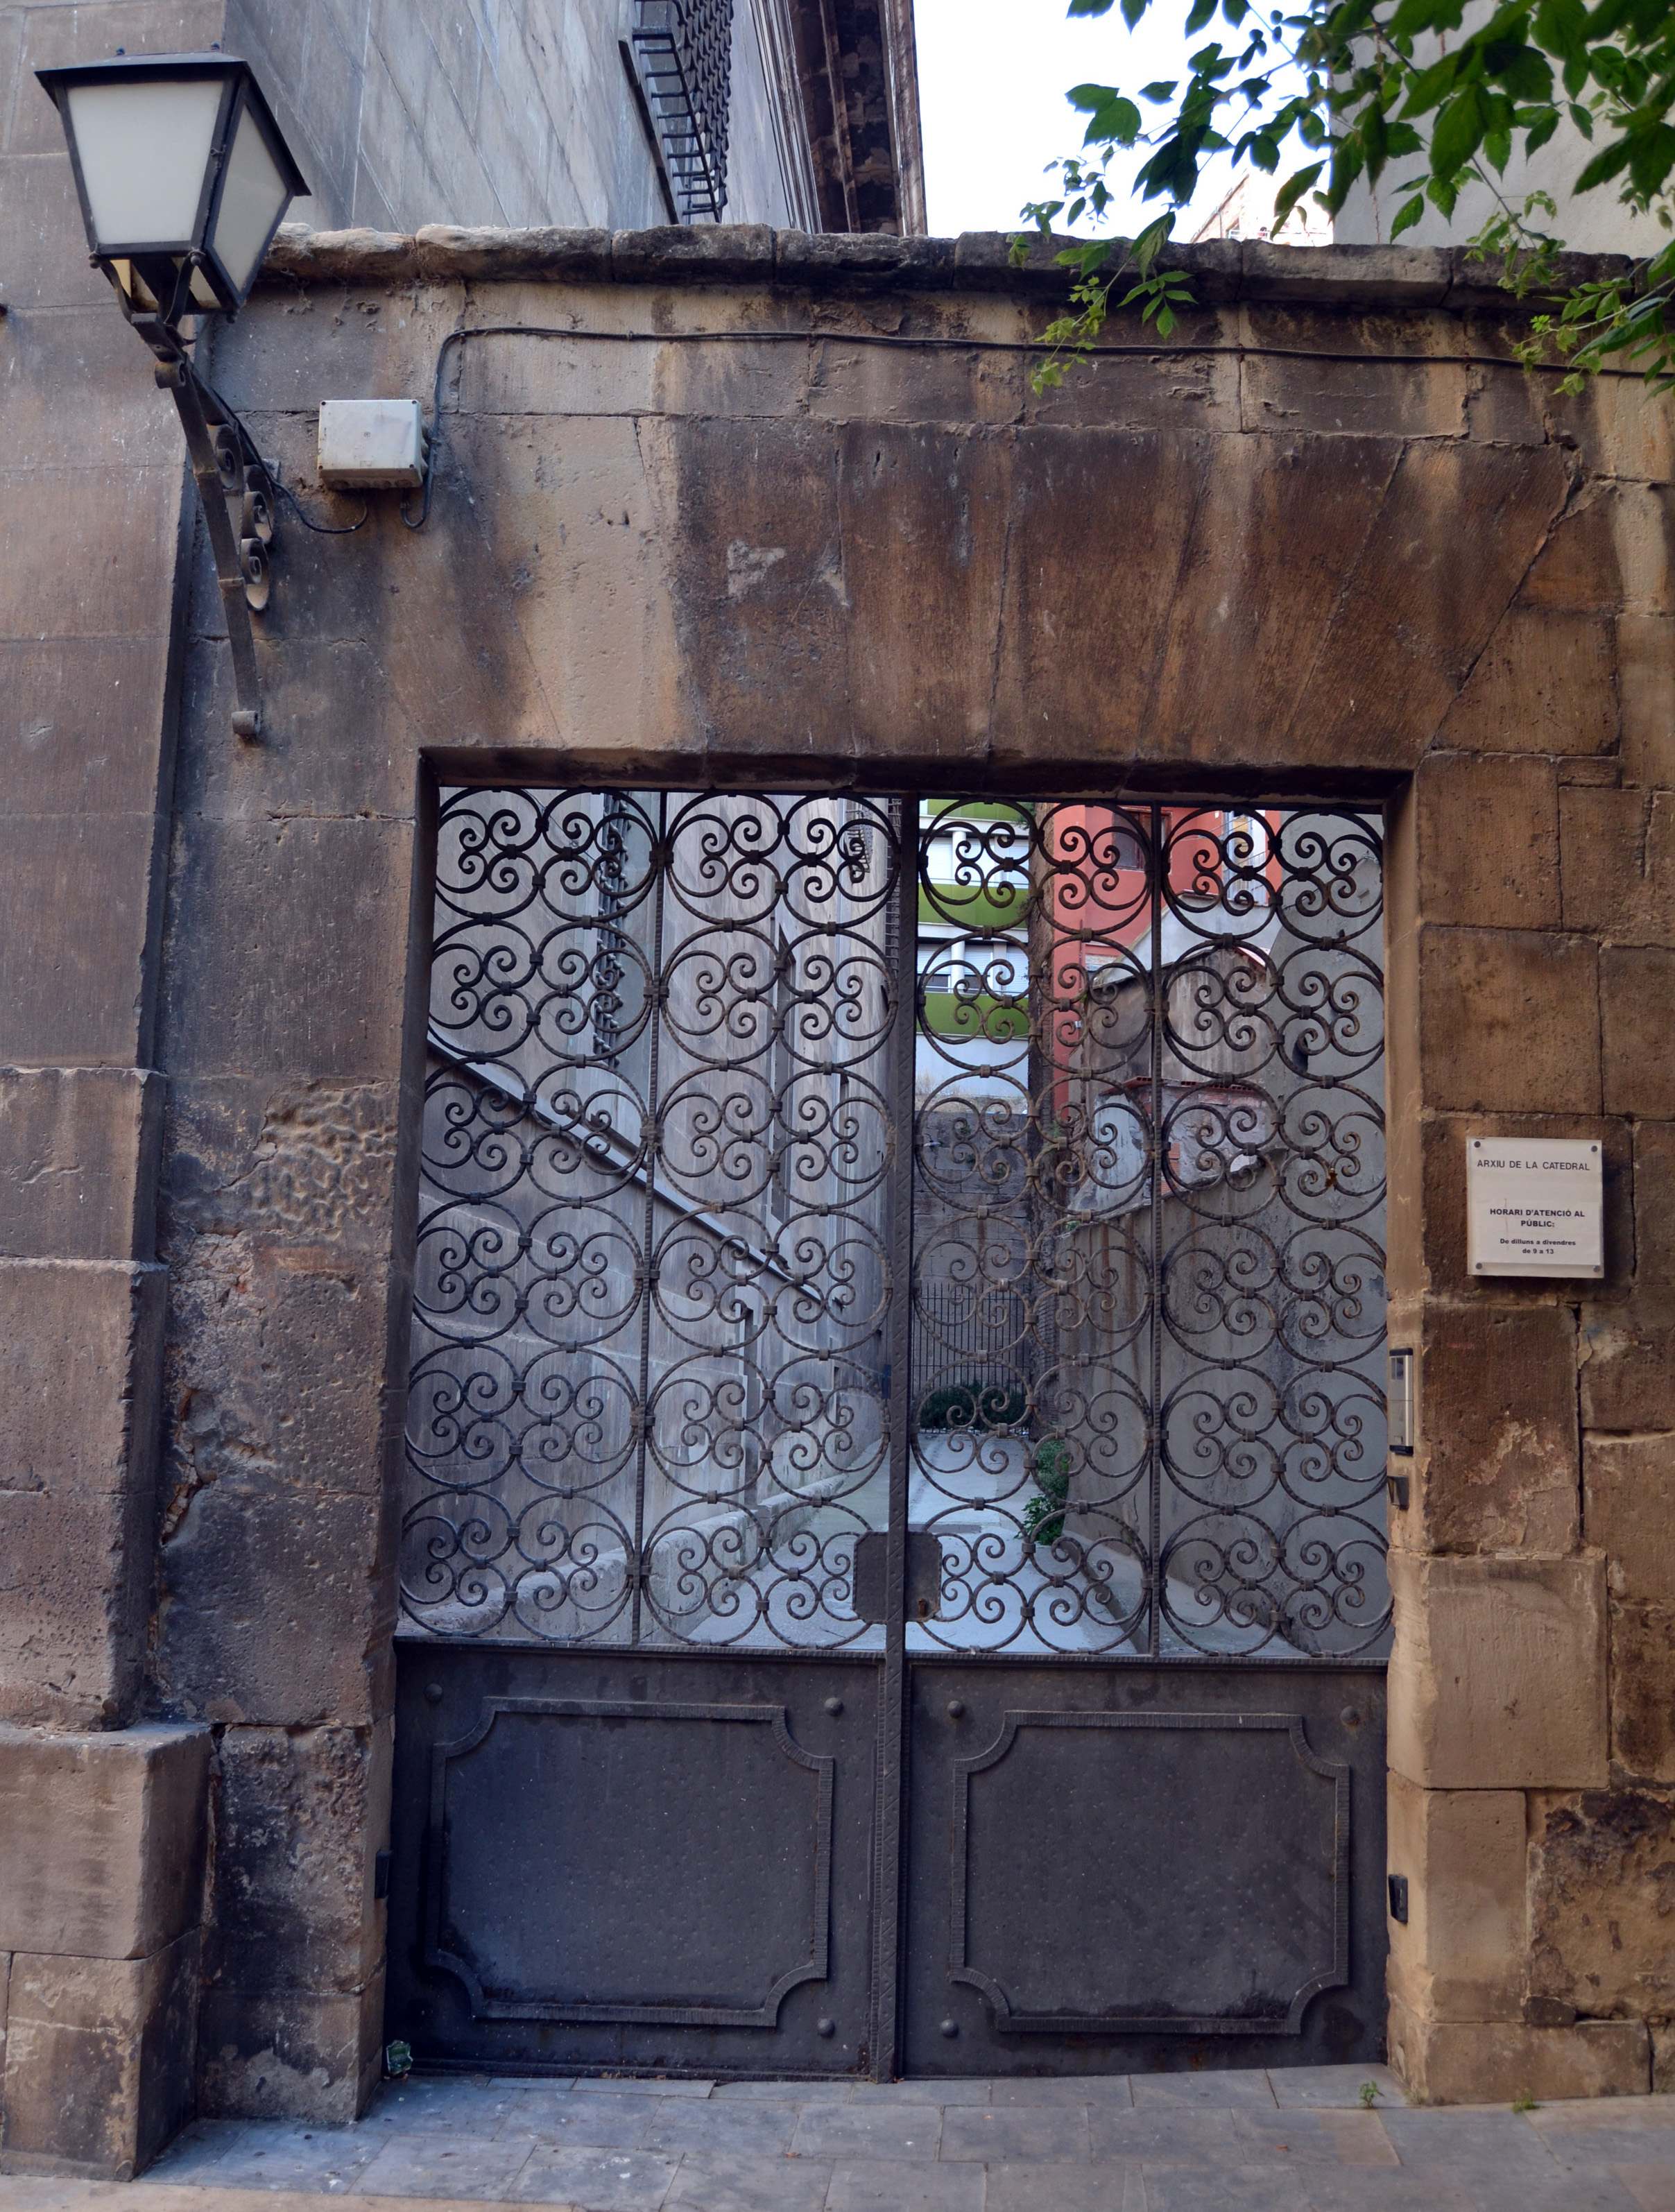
point(659, 1244)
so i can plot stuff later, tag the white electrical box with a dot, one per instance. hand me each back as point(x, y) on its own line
point(372, 445)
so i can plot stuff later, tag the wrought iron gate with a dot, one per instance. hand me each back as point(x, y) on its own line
point(893, 1566)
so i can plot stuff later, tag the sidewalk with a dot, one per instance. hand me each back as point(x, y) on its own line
point(1291, 2141)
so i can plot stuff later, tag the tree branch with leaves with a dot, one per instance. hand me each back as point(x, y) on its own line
point(1359, 86)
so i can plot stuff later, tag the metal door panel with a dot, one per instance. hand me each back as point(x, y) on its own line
point(607, 1860)
point(1117, 1868)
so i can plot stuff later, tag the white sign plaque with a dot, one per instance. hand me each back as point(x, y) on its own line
point(1534, 1208)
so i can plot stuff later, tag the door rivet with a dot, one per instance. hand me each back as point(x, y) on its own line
point(1349, 1717)
point(432, 1693)
point(956, 1711)
point(950, 2028)
point(834, 1707)
point(825, 2027)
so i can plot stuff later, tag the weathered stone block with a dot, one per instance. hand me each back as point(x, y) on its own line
point(101, 1839)
point(272, 916)
point(1643, 1689)
point(78, 1162)
point(875, 258)
point(1646, 691)
point(1641, 526)
point(1215, 531)
point(1663, 2058)
point(71, 368)
point(300, 1817)
point(1543, 684)
point(1494, 2062)
point(75, 894)
point(87, 713)
point(1623, 430)
point(724, 255)
point(290, 2054)
point(1628, 1371)
point(87, 1334)
point(98, 2060)
point(131, 513)
point(1654, 1209)
point(1487, 829)
point(1508, 1021)
point(277, 1366)
point(1460, 1955)
point(1378, 399)
point(73, 1575)
point(1576, 570)
point(77, 1496)
point(1602, 1889)
point(1497, 1679)
point(276, 1606)
point(1618, 864)
point(1356, 274)
point(300, 1167)
point(43, 225)
point(446, 254)
point(901, 560)
point(322, 686)
point(1629, 1514)
point(1420, 601)
point(1496, 1469)
point(1636, 983)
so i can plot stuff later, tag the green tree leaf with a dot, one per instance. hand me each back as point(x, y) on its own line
point(1459, 133)
point(1360, 84)
point(1293, 190)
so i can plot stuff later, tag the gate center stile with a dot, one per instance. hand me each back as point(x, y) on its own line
point(893, 1564)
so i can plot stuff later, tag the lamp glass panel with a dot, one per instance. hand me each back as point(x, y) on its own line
point(144, 146)
point(253, 200)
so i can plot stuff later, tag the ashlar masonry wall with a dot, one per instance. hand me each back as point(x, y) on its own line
point(1328, 541)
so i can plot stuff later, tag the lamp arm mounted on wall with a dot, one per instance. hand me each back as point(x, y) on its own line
point(241, 560)
point(183, 176)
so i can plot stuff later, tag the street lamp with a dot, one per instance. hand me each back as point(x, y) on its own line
point(184, 177)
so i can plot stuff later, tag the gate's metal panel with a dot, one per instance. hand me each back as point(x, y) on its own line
point(1130, 1868)
point(604, 1860)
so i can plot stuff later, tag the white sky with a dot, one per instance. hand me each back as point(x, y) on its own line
point(992, 76)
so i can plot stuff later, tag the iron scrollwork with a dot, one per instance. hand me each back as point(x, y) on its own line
point(651, 1396)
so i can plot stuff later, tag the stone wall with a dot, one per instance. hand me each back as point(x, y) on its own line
point(398, 113)
point(1329, 542)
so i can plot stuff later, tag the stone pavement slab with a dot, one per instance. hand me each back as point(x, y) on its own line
point(1206, 2142)
point(706, 2182)
point(1002, 2135)
point(1044, 2188)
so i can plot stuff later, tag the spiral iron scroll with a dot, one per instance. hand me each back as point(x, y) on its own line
point(650, 1394)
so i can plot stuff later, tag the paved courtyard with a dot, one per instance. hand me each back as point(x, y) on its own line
point(1290, 2141)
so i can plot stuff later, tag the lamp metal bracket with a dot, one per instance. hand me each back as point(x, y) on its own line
point(236, 495)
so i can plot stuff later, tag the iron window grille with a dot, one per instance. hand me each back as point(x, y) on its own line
point(682, 53)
